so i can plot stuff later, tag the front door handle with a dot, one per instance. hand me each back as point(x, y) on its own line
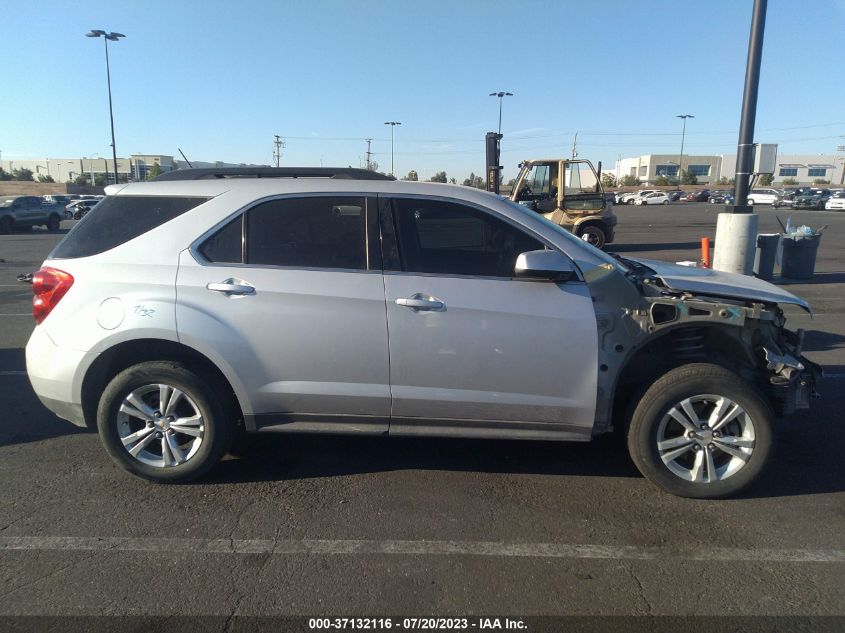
point(422, 302)
point(231, 287)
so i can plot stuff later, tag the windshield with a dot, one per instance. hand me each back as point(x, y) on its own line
point(575, 241)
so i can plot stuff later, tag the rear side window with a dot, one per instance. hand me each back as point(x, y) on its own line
point(118, 219)
point(314, 232)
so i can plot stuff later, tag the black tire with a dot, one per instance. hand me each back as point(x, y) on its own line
point(629, 201)
point(593, 234)
point(218, 428)
point(54, 223)
point(690, 381)
point(751, 201)
point(665, 202)
point(7, 225)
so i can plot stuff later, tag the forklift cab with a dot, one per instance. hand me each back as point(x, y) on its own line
point(569, 193)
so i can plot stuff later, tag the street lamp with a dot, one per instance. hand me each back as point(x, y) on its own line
point(501, 96)
point(114, 37)
point(683, 134)
point(392, 125)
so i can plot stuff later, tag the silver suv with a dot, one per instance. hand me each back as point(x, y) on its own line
point(181, 312)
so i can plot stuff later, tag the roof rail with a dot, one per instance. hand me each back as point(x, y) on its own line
point(340, 173)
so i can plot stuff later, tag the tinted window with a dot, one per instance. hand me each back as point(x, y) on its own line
point(308, 232)
point(226, 245)
point(451, 239)
point(118, 219)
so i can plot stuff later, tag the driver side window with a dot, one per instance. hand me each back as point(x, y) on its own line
point(452, 239)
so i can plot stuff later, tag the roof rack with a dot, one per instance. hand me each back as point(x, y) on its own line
point(339, 173)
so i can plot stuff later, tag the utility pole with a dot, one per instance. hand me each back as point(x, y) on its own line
point(392, 125)
point(841, 148)
point(575, 146)
point(736, 231)
point(369, 153)
point(277, 153)
point(683, 134)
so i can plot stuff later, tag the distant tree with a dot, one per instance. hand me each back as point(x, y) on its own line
point(122, 178)
point(22, 174)
point(821, 181)
point(45, 178)
point(661, 181)
point(154, 172)
point(81, 180)
point(474, 181)
point(412, 176)
point(630, 181)
point(788, 181)
point(688, 178)
point(4, 175)
point(452, 181)
point(607, 180)
point(373, 166)
point(767, 179)
point(100, 180)
point(512, 183)
point(440, 176)
point(724, 180)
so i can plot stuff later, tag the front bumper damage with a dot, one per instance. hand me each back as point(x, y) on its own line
point(792, 377)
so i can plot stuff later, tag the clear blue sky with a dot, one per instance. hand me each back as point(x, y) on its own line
point(219, 79)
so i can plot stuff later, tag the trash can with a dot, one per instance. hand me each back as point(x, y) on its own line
point(799, 255)
point(764, 256)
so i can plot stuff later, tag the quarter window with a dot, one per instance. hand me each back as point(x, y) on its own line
point(312, 232)
point(451, 239)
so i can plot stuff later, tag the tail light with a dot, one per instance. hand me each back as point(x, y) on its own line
point(49, 286)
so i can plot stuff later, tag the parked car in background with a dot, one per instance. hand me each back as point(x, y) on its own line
point(717, 197)
point(56, 199)
point(788, 196)
point(420, 331)
point(73, 207)
point(81, 207)
point(655, 197)
point(813, 199)
point(763, 196)
point(675, 196)
point(698, 196)
point(631, 196)
point(29, 211)
point(836, 202)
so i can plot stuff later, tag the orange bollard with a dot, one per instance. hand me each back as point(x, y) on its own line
point(705, 252)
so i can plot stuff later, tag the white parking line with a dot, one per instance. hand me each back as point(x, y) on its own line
point(281, 547)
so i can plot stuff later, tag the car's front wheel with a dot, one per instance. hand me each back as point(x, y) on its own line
point(54, 222)
point(701, 431)
point(162, 422)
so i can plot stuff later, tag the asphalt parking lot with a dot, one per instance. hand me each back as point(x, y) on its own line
point(316, 526)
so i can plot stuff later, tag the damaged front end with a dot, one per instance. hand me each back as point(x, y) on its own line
point(792, 377)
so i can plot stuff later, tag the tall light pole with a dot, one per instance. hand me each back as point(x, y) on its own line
point(683, 134)
point(114, 37)
point(392, 125)
point(501, 96)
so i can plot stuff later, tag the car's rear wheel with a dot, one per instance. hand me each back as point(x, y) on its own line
point(54, 222)
point(162, 422)
point(701, 431)
point(665, 202)
point(751, 201)
point(593, 234)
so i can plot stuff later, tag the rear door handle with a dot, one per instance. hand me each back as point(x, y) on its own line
point(230, 287)
point(422, 302)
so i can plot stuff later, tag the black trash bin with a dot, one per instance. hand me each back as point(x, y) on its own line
point(799, 255)
point(764, 256)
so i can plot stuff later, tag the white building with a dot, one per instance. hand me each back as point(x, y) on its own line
point(802, 168)
point(707, 169)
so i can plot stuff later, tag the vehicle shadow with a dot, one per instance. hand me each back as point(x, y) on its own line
point(818, 341)
point(280, 457)
point(663, 246)
point(24, 418)
point(817, 278)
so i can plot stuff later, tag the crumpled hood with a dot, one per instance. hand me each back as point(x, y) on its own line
point(706, 281)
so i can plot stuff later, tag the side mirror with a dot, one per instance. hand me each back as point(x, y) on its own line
point(548, 265)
